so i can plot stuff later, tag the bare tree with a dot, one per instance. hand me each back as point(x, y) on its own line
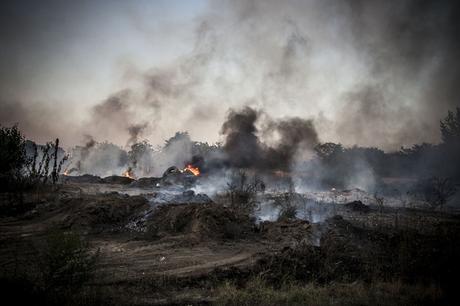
point(435, 191)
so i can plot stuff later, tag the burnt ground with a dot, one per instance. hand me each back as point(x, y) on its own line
point(182, 254)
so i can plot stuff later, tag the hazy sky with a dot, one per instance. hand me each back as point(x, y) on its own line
point(373, 73)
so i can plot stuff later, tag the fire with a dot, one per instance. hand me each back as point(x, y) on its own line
point(129, 173)
point(194, 170)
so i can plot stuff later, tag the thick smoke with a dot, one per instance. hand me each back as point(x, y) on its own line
point(371, 73)
point(282, 140)
point(105, 159)
point(102, 159)
point(135, 131)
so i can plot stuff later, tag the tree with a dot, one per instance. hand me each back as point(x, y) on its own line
point(12, 151)
point(450, 127)
point(435, 191)
point(328, 151)
point(178, 137)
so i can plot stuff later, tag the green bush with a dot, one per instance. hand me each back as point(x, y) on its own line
point(12, 156)
point(67, 262)
point(60, 274)
point(12, 150)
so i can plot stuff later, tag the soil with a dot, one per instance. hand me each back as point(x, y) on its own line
point(178, 253)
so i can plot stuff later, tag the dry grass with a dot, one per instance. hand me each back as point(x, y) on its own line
point(257, 292)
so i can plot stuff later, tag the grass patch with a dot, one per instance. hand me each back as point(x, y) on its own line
point(258, 292)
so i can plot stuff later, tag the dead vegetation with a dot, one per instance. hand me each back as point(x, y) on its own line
point(259, 292)
point(242, 191)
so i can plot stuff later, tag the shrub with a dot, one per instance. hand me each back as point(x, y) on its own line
point(242, 191)
point(66, 261)
point(287, 204)
point(12, 155)
point(58, 275)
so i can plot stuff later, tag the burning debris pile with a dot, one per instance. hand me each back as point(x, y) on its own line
point(272, 148)
point(285, 153)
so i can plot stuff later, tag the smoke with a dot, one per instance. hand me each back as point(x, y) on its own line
point(371, 73)
point(375, 77)
point(281, 140)
point(242, 145)
point(135, 131)
point(102, 159)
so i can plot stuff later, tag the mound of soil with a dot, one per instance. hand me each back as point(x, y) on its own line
point(102, 212)
point(202, 221)
point(86, 178)
point(146, 182)
point(286, 230)
point(116, 179)
point(357, 206)
point(186, 197)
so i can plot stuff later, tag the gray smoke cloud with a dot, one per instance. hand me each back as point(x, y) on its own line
point(372, 73)
point(279, 142)
point(135, 132)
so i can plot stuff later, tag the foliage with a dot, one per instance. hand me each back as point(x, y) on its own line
point(39, 171)
point(435, 191)
point(140, 157)
point(178, 137)
point(67, 262)
point(58, 274)
point(328, 151)
point(242, 191)
point(12, 151)
point(450, 127)
point(258, 292)
point(287, 203)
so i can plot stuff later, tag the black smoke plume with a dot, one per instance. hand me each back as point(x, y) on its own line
point(245, 148)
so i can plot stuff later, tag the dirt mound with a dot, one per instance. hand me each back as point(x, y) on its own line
point(185, 197)
point(146, 182)
point(86, 178)
point(202, 221)
point(116, 179)
point(102, 212)
point(286, 230)
point(357, 206)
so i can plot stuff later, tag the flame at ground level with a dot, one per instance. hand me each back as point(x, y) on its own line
point(194, 170)
point(129, 173)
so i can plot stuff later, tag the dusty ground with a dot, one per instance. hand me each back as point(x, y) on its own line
point(178, 263)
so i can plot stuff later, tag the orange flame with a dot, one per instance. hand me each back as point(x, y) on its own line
point(129, 173)
point(194, 170)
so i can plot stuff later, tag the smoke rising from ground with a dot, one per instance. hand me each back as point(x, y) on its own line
point(370, 73)
point(284, 138)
